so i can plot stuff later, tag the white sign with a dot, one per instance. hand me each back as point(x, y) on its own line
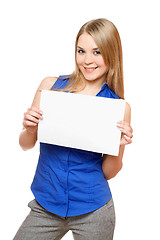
point(81, 121)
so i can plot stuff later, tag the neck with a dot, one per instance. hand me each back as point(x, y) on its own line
point(94, 84)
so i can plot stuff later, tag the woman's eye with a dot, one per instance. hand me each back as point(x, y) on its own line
point(97, 52)
point(80, 51)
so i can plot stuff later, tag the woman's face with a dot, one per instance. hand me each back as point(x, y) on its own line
point(89, 59)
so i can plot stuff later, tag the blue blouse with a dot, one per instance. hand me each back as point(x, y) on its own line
point(68, 181)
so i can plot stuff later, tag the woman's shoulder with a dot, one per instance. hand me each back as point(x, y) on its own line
point(47, 83)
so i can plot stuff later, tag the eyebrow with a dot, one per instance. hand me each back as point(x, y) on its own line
point(92, 49)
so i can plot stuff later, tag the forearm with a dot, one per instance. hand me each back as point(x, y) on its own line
point(27, 140)
point(112, 171)
point(28, 136)
point(112, 164)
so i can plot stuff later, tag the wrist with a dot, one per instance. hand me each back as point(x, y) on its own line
point(30, 134)
point(27, 139)
point(30, 131)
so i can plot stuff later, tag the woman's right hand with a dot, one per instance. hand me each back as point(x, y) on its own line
point(31, 119)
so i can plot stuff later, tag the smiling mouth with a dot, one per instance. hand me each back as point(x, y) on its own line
point(91, 69)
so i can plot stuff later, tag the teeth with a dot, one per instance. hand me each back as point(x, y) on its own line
point(91, 68)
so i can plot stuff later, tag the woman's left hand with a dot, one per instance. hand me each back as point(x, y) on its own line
point(127, 132)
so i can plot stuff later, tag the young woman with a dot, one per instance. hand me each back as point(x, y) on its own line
point(70, 185)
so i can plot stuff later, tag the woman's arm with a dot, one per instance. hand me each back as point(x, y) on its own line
point(112, 164)
point(28, 136)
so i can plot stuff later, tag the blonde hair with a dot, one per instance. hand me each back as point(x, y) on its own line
point(107, 39)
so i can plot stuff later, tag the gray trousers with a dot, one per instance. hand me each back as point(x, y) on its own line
point(43, 225)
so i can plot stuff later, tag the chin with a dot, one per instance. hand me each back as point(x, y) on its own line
point(90, 78)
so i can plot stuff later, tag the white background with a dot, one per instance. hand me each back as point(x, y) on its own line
point(37, 40)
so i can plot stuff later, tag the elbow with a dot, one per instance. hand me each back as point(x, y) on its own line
point(112, 173)
point(22, 145)
point(25, 146)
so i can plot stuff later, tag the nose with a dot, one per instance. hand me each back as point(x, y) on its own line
point(88, 59)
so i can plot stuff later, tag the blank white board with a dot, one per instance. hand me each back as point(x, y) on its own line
point(81, 121)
